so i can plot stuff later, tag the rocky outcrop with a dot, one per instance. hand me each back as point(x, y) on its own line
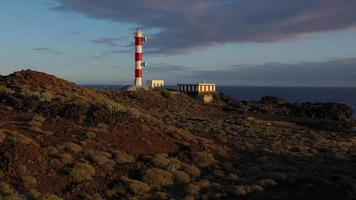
point(275, 106)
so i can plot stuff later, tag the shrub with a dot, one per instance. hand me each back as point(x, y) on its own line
point(35, 129)
point(122, 157)
point(267, 183)
point(241, 190)
point(191, 170)
point(160, 161)
point(5, 189)
point(16, 137)
point(5, 90)
point(90, 135)
point(204, 183)
point(29, 180)
point(181, 177)
point(157, 178)
point(82, 172)
point(66, 158)
point(72, 147)
point(100, 157)
point(192, 189)
point(135, 186)
point(218, 173)
point(11, 197)
point(2, 136)
point(49, 197)
point(52, 151)
point(203, 159)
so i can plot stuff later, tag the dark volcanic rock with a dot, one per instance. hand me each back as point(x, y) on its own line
point(275, 106)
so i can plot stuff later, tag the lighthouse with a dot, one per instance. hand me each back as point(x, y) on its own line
point(140, 38)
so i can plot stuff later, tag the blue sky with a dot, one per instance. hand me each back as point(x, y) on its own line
point(89, 42)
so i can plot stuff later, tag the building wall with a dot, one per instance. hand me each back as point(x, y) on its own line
point(197, 88)
point(155, 83)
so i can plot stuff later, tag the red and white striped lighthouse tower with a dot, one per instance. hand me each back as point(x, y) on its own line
point(139, 39)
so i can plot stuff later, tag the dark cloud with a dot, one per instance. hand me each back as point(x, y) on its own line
point(95, 57)
point(46, 50)
point(107, 41)
point(337, 72)
point(187, 24)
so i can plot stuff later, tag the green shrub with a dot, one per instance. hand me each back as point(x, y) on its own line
point(82, 172)
point(157, 178)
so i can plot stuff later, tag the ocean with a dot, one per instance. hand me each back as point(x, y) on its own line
point(346, 95)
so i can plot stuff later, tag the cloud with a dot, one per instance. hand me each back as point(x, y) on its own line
point(186, 25)
point(336, 72)
point(106, 41)
point(46, 50)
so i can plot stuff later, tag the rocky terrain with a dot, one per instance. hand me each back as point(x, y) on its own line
point(61, 141)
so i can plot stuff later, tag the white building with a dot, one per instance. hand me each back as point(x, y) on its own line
point(155, 83)
point(197, 88)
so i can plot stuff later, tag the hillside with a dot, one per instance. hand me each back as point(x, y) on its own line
point(62, 141)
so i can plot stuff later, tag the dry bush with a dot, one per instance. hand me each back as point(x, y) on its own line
point(82, 172)
point(11, 197)
point(204, 183)
point(243, 190)
point(65, 158)
point(35, 129)
point(267, 183)
point(52, 151)
point(174, 165)
point(203, 159)
point(160, 161)
point(218, 173)
point(90, 135)
point(49, 197)
point(6, 189)
point(135, 186)
point(2, 136)
point(191, 170)
point(5, 90)
point(29, 180)
point(192, 189)
point(72, 147)
point(181, 135)
point(101, 158)
point(16, 137)
point(181, 177)
point(157, 178)
point(123, 157)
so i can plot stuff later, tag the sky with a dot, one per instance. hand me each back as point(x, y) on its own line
point(229, 42)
